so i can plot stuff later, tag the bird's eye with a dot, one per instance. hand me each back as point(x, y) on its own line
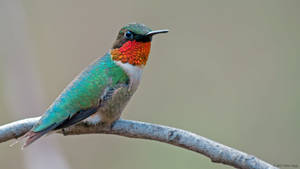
point(128, 35)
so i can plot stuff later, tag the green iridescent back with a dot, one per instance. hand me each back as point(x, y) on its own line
point(84, 92)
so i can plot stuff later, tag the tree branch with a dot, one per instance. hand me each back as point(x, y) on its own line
point(215, 151)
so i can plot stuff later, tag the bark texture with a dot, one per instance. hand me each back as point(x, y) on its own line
point(217, 152)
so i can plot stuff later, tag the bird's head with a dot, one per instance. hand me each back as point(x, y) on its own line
point(133, 44)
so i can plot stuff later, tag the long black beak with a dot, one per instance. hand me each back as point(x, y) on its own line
point(157, 32)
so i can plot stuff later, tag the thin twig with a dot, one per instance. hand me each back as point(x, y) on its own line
point(217, 152)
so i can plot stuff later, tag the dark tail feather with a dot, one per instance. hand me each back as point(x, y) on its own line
point(32, 136)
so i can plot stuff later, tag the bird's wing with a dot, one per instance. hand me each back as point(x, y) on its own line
point(31, 136)
point(81, 98)
point(81, 115)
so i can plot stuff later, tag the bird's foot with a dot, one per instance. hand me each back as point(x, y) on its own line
point(107, 125)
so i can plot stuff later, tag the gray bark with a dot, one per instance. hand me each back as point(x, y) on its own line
point(217, 152)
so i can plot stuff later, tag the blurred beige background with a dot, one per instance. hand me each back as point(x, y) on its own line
point(227, 70)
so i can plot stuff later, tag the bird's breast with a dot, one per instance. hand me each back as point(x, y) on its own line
point(134, 73)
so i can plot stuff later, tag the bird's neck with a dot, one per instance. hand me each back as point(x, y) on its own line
point(132, 52)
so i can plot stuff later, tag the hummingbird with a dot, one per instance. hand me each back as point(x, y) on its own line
point(101, 91)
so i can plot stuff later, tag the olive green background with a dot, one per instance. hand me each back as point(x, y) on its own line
point(227, 70)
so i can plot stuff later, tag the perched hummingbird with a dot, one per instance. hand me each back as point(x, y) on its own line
point(103, 89)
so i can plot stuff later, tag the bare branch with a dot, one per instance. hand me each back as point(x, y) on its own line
point(216, 152)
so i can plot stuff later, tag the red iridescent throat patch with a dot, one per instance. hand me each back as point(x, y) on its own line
point(133, 52)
